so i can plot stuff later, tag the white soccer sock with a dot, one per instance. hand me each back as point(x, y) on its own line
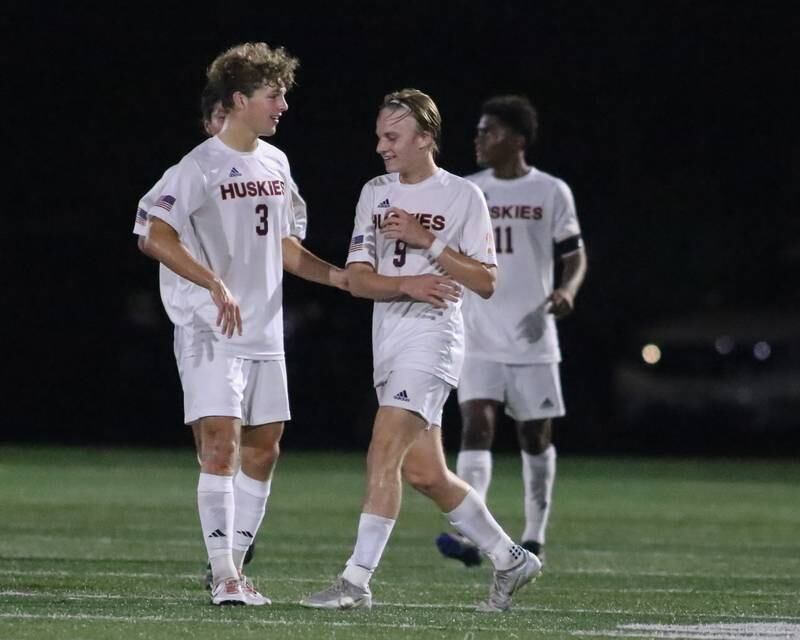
point(472, 519)
point(538, 476)
point(250, 500)
point(215, 505)
point(474, 467)
point(373, 534)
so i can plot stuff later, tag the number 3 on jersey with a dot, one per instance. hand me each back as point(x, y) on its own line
point(262, 211)
point(499, 245)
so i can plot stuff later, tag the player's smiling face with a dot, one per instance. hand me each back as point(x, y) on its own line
point(400, 144)
point(264, 109)
point(494, 142)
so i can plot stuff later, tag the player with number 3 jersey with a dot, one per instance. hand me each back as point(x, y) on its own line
point(222, 224)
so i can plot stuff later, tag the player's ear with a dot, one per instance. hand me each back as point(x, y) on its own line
point(239, 100)
point(425, 140)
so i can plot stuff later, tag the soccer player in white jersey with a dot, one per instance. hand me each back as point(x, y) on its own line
point(212, 121)
point(512, 345)
point(232, 194)
point(420, 234)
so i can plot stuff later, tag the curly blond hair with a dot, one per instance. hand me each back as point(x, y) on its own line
point(248, 67)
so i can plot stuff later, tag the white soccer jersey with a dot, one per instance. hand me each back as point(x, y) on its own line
point(529, 214)
point(299, 222)
point(231, 210)
point(408, 334)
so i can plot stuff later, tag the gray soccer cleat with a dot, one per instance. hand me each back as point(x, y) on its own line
point(507, 583)
point(342, 594)
point(252, 595)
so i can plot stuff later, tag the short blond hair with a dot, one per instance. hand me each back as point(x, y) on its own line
point(422, 107)
point(248, 67)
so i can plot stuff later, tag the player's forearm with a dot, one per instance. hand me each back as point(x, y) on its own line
point(368, 284)
point(298, 261)
point(474, 275)
point(573, 271)
point(166, 247)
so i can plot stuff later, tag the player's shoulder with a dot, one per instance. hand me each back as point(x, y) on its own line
point(207, 154)
point(480, 177)
point(271, 151)
point(459, 184)
point(380, 182)
point(548, 180)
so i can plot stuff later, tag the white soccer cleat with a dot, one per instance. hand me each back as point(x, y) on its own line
point(506, 583)
point(342, 594)
point(228, 592)
point(251, 594)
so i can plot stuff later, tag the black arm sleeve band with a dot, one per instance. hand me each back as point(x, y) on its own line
point(568, 245)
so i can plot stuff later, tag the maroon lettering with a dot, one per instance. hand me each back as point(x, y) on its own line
point(227, 191)
point(516, 211)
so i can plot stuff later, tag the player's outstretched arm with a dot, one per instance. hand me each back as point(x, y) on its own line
point(299, 261)
point(163, 244)
point(474, 275)
point(562, 300)
point(430, 288)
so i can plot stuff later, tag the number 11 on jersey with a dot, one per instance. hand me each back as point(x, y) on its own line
point(499, 245)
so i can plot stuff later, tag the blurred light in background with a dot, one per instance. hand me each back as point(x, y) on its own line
point(762, 350)
point(651, 354)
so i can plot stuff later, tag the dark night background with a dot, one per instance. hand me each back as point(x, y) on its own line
point(674, 124)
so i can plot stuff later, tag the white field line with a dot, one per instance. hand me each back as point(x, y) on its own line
point(719, 631)
point(395, 605)
point(205, 621)
point(196, 576)
point(721, 592)
point(282, 561)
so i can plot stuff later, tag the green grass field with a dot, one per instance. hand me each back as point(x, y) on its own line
point(105, 544)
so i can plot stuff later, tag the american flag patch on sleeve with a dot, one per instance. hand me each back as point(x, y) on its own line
point(356, 244)
point(141, 216)
point(165, 202)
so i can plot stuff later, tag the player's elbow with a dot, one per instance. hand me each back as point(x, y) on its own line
point(146, 246)
point(487, 284)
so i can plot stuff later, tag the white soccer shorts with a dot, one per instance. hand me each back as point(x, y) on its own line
point(255, 391)
point(417, 391)
point(529, 391)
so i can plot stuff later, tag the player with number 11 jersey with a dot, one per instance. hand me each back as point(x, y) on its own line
point(533, 217)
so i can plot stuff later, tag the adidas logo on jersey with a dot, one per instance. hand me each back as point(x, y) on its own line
point(401, 396)
point(217, 534)
point(384, 205)
point(547, 404)
point(235, 173)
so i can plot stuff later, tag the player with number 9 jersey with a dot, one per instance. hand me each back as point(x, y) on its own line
point(408, 333)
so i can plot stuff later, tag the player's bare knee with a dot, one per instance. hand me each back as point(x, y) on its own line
point(427, 481)
point(218, 454)
point(535, 435)
point(263, 457)
point(474, 437)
